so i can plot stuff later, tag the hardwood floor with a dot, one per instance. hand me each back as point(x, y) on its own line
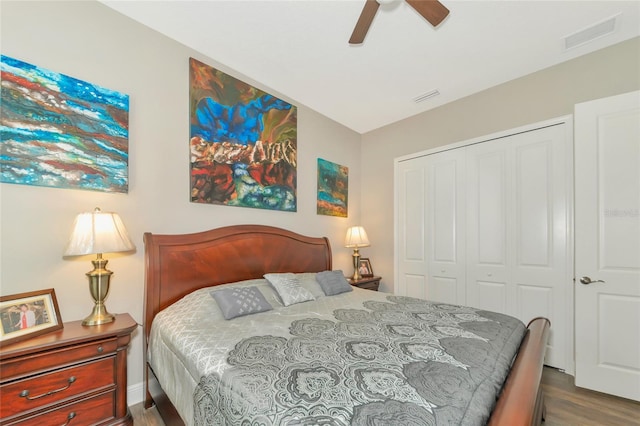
point(142, 417)
point(566, 406)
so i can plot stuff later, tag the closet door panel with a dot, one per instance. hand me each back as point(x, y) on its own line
point(414, 248)
point(534, 301)
point(490, 185)
point(487, 224)
point(412, 278)
point(442, 289)
point(415, 286)
point(442, 203)
point(540, 276)
point(446, 227)
point(491, 295)
point(534, 204)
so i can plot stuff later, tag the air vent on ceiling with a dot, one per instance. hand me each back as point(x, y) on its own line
point(426, 96)
point(591, 33)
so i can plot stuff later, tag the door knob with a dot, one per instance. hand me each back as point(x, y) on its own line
point(587, 280)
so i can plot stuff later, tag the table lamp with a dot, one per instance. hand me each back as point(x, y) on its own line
point(98, 232)
point(356, 238)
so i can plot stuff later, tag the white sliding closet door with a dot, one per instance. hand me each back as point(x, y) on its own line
point(517, 223)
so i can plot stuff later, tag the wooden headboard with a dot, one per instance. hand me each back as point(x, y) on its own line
point(176, 265)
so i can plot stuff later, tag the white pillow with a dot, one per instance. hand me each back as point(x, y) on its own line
point(289, 289)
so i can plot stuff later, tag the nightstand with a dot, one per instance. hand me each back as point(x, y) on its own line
point(369, 283)
point(77, 375)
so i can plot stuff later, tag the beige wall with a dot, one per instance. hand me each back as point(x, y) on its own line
point(546, 94)
point(91, 42)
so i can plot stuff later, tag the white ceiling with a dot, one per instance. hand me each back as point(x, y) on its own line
point(300, 49)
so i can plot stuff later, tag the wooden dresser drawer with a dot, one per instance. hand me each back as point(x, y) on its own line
point(46, 389)
point(76, 376)
point(90, 411)
point(56, 358)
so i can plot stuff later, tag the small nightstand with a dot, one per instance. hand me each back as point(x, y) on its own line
point(77, 375)
point(369, 283)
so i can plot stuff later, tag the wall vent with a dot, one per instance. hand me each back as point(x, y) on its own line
point(591, 33)
point(426, 96)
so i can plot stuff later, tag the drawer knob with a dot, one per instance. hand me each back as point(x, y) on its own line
point(70, 417)
point(100, 349)
point(25, 393)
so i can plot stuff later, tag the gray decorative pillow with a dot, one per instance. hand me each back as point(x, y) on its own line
point(333, 282)
point(237, 302)
point(289, 289)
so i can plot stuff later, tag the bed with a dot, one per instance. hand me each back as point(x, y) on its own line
point(280, 371)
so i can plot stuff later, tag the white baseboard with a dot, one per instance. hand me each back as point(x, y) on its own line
point(135, 394)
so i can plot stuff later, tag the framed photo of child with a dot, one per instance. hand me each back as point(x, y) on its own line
point(365, 268)
point(27, 315)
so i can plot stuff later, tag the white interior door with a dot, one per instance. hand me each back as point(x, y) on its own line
point(607, 241)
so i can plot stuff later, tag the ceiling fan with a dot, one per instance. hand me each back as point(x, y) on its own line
point(432, 10)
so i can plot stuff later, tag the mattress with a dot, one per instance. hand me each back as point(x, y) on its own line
point(358, 357)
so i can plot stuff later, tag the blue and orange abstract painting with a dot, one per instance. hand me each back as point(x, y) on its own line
point(333, 189)
point(243, 143)
point(61, 132)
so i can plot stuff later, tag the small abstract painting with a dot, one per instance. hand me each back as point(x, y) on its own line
point(333, 189)
point(61, 132)
point(243, 143)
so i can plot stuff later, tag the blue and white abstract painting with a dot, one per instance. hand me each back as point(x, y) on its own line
point(58, 131)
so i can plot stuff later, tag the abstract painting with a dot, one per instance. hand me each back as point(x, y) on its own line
point(333, 189)
point(243, 143)
point(61, 132)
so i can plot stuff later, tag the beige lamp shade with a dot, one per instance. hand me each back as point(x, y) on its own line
point(356, 237)
point(98, 232)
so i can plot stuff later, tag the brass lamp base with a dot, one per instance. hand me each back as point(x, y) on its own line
point(98, 316)
point(356, 265)
point(99, 288)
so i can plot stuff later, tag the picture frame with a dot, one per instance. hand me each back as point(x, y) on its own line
point(41, 315)
point(365, 268)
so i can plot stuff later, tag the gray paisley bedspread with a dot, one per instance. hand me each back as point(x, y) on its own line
point(374, 359)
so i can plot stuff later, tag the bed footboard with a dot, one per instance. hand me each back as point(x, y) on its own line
point(521, 401)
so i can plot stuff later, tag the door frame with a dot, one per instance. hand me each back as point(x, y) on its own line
point(567, 120)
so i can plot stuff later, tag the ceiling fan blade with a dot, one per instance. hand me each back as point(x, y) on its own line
point(364, 22)
point(432, 10)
